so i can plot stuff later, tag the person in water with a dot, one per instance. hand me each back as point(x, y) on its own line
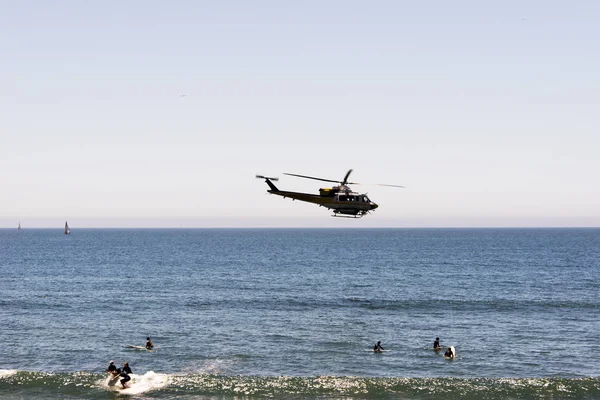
point(127, 369)
point(125, 376)
point(377, 348)
point(112, 368)
point(436, 344)
point(149, 344)
point(379, 345)
point(449, 353)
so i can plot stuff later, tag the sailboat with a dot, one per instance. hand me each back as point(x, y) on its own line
point(19, 227)
point(67, 230)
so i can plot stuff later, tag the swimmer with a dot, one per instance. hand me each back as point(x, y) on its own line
point(149, 344)
point(436, 344)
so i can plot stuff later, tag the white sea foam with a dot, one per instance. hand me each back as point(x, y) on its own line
point(7, 372)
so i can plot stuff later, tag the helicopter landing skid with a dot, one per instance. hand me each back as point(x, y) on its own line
point(359, 215)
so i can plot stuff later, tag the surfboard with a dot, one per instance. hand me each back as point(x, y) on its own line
point(112, 380)
point(119, 388)
point(131, 346)
point(132, 389)
point(136, 347)
point(453, 352)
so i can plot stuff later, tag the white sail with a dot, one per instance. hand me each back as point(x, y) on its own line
point(67, 230)
point(19, 227)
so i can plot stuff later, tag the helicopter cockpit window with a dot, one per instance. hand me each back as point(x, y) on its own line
point(343, 198)
point(365, 199)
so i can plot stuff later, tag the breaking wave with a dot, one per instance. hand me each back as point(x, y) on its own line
point(22, 384)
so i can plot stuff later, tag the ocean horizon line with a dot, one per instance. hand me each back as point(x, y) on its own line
point(302, 227)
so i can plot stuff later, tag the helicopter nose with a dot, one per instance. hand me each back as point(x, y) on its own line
point(374, 206)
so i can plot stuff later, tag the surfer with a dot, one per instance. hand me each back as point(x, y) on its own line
point(449, 353)
point(112, 368)
point(126, 368)
point(377, 348)
point(436, 344)
point(149, 344)
point(125, 376)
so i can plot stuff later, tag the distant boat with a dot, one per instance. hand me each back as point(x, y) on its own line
point(19, 227)
point(67, 230)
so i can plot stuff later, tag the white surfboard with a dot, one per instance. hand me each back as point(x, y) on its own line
point(453, 352)
point(131, 346)
point(112, 380)
point(136, 347)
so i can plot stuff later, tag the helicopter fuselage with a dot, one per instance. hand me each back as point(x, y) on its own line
point(340, 199)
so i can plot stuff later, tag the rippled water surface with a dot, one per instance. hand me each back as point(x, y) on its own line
point(296, 312)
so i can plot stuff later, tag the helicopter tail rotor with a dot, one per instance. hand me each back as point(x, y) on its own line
point(269, 181)
point(266, 177)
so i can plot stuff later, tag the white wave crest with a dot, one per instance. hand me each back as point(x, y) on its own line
point(7, 372)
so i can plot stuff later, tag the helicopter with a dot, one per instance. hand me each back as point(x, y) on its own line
point(340, 198)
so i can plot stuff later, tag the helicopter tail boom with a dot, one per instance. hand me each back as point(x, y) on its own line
point(269, 182)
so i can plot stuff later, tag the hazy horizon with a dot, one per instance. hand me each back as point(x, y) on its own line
point(269, 222)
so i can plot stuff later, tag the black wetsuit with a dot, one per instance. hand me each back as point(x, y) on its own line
point(127, 369)
point(436, 344)
point(126, 378)
point(112, 368)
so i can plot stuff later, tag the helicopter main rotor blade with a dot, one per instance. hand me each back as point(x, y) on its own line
point(378, 184)
point(345, 181)
point(311, 177)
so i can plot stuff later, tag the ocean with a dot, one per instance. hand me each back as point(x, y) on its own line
point(294, 313)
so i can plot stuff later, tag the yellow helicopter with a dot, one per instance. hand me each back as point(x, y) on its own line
point(341, 199)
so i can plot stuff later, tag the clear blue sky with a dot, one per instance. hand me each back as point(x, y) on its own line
point(488, 112)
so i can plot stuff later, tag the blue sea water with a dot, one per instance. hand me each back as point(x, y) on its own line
point(294, 313)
